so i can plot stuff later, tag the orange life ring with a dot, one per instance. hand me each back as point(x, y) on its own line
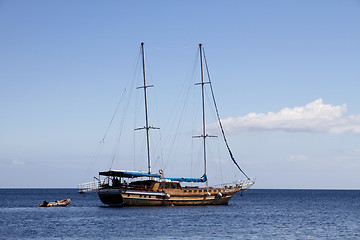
point(161, 171)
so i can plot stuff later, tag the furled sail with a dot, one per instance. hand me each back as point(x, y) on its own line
point(203, 178)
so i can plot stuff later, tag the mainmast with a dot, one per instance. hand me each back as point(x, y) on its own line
point(204, 135)
point(146, 127)
point(203, 109)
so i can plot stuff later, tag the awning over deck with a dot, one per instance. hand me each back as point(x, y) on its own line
point(133, 174)
point(127, 174)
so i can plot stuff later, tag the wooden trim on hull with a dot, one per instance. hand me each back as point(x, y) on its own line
point(170, 202)
point(114, 197)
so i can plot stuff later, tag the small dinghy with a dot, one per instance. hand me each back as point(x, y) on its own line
point(61, 203)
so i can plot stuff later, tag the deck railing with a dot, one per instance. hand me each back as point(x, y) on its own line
point(245, 183)
point(88, 187)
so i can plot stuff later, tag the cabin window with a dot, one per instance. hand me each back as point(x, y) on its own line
point(190, 190)
point(185, 190)
point(195, 191)
point(200, 190)
point(161, 185)
point(167, 185)
point(173, 185)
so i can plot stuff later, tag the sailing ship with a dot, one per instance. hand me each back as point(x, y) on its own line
point(145, 188)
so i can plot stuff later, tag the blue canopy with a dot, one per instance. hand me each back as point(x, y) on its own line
point(127, 174)
point(119, 173)
point(202, 179)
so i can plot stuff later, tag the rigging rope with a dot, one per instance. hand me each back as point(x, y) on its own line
point(112, 119)
point(129, 85)
point(220, 124)
point(179, 109)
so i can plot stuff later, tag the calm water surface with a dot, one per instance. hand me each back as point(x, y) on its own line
point(259, 214)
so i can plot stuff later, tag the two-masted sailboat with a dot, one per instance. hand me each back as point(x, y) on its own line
point(139, 188)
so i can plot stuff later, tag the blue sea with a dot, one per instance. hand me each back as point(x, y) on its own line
point(258, 214)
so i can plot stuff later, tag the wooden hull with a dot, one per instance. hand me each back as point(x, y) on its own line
point(123, 197)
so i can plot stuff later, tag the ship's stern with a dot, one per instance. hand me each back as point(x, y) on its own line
point(111, 197)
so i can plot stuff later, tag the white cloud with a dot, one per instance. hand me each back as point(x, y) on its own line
point(313, 117)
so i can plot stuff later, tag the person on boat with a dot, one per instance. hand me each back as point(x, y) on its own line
point(116, 182)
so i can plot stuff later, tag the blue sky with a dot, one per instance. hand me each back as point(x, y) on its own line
point(285, 73)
